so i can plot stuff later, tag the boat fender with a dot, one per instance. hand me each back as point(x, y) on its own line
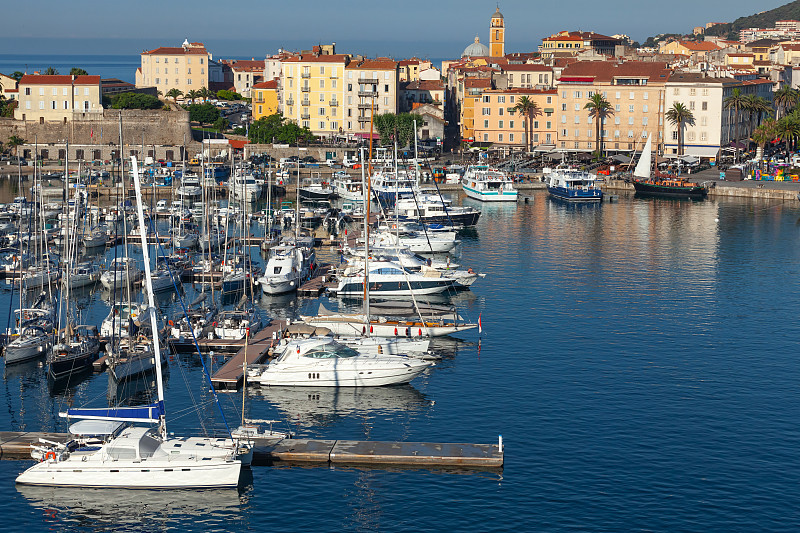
point(50, 455)
point(370, 328)
point(363, 329)
point(395, 332)
point(420, 332)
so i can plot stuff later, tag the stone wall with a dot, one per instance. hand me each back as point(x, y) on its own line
point(159, 127)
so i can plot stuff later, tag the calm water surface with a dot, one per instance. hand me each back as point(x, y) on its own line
point(638, 357)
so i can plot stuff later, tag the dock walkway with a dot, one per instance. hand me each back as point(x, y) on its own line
point(230, 375)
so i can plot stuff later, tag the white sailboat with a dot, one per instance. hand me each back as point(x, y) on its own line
point(132, 456)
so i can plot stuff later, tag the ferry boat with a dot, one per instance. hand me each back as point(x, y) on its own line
point(573, 185)
point(487, 184)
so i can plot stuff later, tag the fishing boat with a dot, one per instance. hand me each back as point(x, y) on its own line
point(322, 361)
point(487, 184)
point(653, 183)
point(573, 185)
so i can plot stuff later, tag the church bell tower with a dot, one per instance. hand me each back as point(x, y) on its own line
point(497, 37)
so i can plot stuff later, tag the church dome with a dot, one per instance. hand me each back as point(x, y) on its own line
point(476, 49)
point(497, 14)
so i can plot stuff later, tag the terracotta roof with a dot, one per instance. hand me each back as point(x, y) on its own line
point(243, 64)
point(471, 83)
point(272, 84)
point(759, 81)
point(404, 62)
point(424, 85)
point(579, 36)
point(605, 71)
point(61, 79)
point(176, 51)
point(793, 47)
point(381, 63)
point(310, 58)
point(703, 46)
point(522, 90)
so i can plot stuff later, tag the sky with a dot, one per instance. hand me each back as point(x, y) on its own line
point(397, 29)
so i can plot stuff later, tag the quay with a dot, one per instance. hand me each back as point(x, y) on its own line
point(230, 375)
point(16, 445)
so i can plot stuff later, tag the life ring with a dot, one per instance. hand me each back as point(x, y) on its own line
point(50, 455)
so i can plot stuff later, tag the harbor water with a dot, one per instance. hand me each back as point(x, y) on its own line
point(638, 357)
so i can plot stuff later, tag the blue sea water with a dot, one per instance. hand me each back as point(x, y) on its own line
point(638, 357)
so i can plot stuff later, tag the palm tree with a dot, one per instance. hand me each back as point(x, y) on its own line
point(785, 98)
point(599, 108)
point(193, 95)
point(735, 102)
point(679, 115)
point(174, 94)
point(204, 93)
point(528, 109)
point(50, 71)
point(15, 141)
point(787, 129)
point(762, 135)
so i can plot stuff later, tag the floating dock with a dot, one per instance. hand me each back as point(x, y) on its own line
point(230, 375)
point(307, 452)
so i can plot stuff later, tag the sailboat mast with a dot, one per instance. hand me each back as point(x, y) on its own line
point(366, 249)
point(150, 300)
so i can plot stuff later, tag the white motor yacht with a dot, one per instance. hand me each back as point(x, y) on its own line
point(322, 361)
point(122, 271)
point(487, 184)
point(391, 279)
point(286, 267)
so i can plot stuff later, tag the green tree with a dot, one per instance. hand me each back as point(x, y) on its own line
point(14, 141)
point(204, 93)
point(17, 75)
point(221, 124)
point(75, 71)
point(680, 116)
point(135, 101)
point(174, 94)
point(265, 130)
point(528, 109)
point(224, 94)
point(735, 102)
point(785, 98)
point(599, 108)
point(50, 71)
point(203, 113)
point(192, 95)
point(762, 135)
point(787, 129)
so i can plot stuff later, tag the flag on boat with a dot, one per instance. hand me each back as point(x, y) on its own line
point(480, 326)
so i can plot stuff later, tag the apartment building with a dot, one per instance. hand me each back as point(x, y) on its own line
point(371, 86)
point(635, 90)
point(58, 98)
point(527, 75)
point(575, 42)
point(497, 122)
point(420, 92)
point(313, 88)
point(265, 99)
point(243, 74)
point(184, 68)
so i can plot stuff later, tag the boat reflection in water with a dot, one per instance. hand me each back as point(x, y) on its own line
point(323, 406)
point(119, 510)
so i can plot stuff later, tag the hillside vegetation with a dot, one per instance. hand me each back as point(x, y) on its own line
point(765, 19)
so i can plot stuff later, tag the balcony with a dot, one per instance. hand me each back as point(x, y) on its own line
point(290, 101)
point(305, 75)
point(368, 94)
point(305, 116)
point(333, 103)
point(368, 106)
point(305, 89)
point(368, 81)
point(363, 119)
point(305, 102)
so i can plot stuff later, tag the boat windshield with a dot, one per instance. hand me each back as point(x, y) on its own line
point(330, 351)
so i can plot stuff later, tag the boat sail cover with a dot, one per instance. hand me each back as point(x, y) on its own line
point(140, 413)
point(642, 169)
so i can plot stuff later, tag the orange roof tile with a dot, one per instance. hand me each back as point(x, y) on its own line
point(605, 71)
point(61, 79)
point(176, 51)
point(272, 84)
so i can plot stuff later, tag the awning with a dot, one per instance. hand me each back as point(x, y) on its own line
point(366, 135)
point(238, 144)
point(621, 158)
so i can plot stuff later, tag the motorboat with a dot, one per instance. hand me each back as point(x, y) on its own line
point(244, 187)
point(120, 273)
point(389, 186)
point(573, 185)
point(323, 361)
point(83, 275)
point(416, 263)
point(418, 242)
point(286, 267)
point(346, 187)
point(487, 184)
point(121, 319)
point(314, 189)
point(390, 279)
point(432, 208)
point(235, 324)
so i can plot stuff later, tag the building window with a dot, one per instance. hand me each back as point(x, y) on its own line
point(704, 106)
point(333, 84)
point(644, 121)
point(511, 137)
point(260, 109)
point(630, 109)
point(703, 136)
point(500, 124)
point(485, 137)
point(41, 91)
point(674, 135)
point(564, 133)
point(692, 91)
point(630, 134)
point(501, 99)
point(485, 123)
point(511, 124)
point(486, 111)
point(500, 137)
point(549, 125)
point(53, 104)
point(617, 108)
point(577, 106)
point(705, 92)
point(41, 104)
point(189, 71)
point(563, 107)
point(563, 119)
point(676, 91)
point(616, 120)
point(630, 120)
point(321, 111)
point(321, 125)
point(644, 108)
point(691, 105)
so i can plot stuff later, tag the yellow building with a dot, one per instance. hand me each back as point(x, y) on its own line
point(371, 86)
point(635, 90)
point(497, 35)
point(472, 95)
point(265, 99)
point(498, 123)
point(740, 61)
point(58, 98)
point(184, 68)
point(574, 42)
point(313, 90)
